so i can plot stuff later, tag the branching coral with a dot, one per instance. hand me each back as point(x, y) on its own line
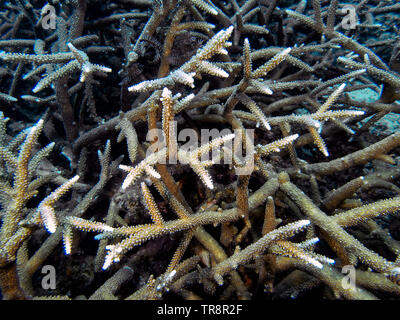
point(18, 222)
point(238, 159)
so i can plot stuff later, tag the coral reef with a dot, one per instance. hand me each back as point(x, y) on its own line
point(198, 149)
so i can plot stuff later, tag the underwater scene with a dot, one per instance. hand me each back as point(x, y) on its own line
point(200, 150)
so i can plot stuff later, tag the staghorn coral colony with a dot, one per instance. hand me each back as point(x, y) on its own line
point(108, 178)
